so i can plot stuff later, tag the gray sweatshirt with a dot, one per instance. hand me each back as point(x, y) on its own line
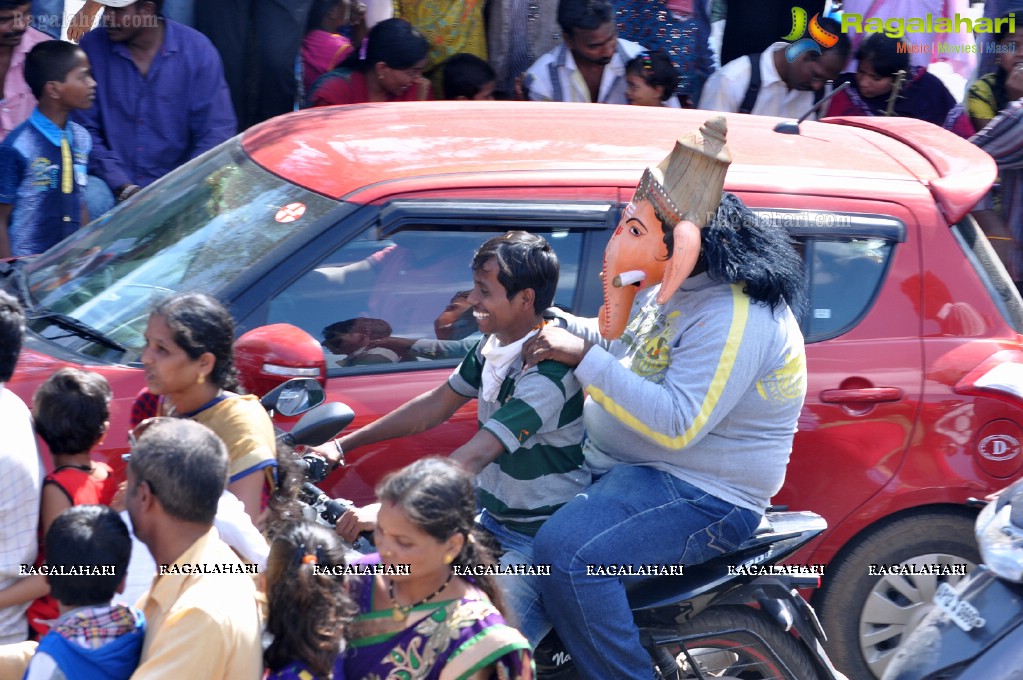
point(707, 387)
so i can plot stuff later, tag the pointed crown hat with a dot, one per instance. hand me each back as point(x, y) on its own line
point(688, 183)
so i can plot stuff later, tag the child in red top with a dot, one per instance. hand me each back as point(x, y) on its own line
point(71, 411)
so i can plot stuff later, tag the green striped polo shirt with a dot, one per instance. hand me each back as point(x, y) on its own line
point(538, 418)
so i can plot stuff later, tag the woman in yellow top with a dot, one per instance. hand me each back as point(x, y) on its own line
point(189, 364)
point(450, 26)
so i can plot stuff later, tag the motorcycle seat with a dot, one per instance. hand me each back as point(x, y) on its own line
point(764, 527)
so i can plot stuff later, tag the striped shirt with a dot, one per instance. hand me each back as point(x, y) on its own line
point(537, 417)
point(1003, 139)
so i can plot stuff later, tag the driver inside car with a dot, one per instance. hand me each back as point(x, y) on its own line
point(404, 285)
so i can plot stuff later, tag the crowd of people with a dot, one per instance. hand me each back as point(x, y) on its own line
point(159, 82)
point(581, 421)
point(218, 582)
point(575, 463)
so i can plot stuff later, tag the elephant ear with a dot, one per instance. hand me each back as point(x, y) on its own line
point(683, 259)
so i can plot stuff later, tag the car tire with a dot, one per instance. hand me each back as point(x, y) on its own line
point(865, 616)
point(729, 642)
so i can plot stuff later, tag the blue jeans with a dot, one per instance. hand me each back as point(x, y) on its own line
point(521, 593)
point(631, 515)
point(48, 16)
point(98, 197)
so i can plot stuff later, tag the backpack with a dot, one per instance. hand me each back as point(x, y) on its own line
point(749, 100)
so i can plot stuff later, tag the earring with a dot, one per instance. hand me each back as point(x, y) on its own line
point(201, 379)
point(448, 559)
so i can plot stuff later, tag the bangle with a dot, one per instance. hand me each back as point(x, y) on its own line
point(1000, 238)
point(340, 455)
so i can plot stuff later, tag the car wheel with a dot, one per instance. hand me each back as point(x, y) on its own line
point(867, 616)
point(734, 643)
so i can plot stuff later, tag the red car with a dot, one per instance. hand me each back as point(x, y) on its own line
point(357, 224)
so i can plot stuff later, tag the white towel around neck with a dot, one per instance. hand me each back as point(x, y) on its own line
point(498, 361)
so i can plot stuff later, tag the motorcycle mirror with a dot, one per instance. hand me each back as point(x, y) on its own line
point(1016, 514)
point(322, 424)
point(294, 396)
point(1012, 494)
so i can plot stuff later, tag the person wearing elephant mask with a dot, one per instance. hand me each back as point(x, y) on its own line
point(695, 376)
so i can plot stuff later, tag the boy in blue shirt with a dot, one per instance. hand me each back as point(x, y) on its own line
point(94, 638)
point(43, 162)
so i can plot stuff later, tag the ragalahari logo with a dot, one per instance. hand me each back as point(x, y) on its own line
point(817, 39)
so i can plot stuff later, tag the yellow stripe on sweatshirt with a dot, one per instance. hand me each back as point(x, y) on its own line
point(740, 315)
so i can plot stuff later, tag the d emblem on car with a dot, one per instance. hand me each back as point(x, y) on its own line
point(999, 447)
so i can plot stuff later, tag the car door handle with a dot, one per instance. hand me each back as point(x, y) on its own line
point(862, 395)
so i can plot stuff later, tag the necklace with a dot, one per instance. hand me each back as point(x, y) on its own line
point(83, 468)
point(400, 612)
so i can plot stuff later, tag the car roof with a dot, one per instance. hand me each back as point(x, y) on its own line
point(339, 151)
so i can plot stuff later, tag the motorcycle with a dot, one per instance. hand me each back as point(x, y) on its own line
point(975, 629)
point(738, 616)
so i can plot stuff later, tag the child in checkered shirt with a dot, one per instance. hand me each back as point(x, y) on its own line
point(87, 552)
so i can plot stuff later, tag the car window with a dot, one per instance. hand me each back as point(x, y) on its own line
point(197, 229)
point(844, 275)
point(982, 257)
point(401, 298)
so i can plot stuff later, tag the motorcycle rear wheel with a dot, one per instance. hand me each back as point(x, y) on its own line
point(735, 643)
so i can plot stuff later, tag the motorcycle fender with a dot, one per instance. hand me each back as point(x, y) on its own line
point(773, 596)
point(937, 644)
point(1002, 661)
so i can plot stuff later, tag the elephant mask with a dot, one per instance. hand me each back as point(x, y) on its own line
point(678, 196)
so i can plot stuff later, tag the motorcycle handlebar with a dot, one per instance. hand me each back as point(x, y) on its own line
point(326, 508)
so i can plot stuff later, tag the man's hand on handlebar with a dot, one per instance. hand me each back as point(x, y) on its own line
point(317, 467)
point(356, 521)
point(333, 452)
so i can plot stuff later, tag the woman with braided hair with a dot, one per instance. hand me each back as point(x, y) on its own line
point(189, 365)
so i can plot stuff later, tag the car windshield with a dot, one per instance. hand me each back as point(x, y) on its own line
point(196, 229)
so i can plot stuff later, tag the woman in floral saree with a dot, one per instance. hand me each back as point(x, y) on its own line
point(421, 616)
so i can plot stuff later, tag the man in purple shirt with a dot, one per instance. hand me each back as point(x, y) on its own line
point(161, 97)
